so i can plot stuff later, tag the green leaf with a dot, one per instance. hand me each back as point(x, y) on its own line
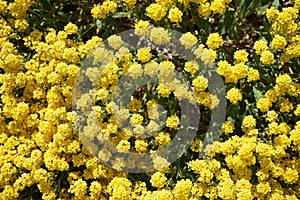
point(240, 4)
point(121, 14)
point(262, 10)
point(276, 4)
point(257, 94)
point(99, 23)
point(232, 33)
point(254, 4)
point(227, 22)
point(233, 110)
point(203, 25)
point(243, 6)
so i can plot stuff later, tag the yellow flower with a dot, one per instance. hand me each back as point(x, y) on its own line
point(95, 189)
point(160, 35)
point(158, 179)
point(166, 65)
point(142, 28)
point(204, 9)
point(98, 12)
point(151, 68)
point(200, 83)
point(123, 146)
point(241, 56)
point(263, 188)
point(135, 70)
point(135, 105)
point(272, 14)
point(144, 54)
point(297, 4)
point(21, 24)
point(172, 122)
point(141, 145)
point(191, 67)
point(166, 3)
point(248, 123)
point(79, 188)
point(290, 176)
point(156, 11)
point(260, 46)
point(214, 41)
point(234, 95)
point(163, 91)
point(264, 104)
point(160, 163)
point(115, 41)
point(152, 126)
point(297, 111)
point(18, 9)
point(175, 15)
point(253, 75)
point(283, 81)
point(278, 42)
point(271, 116)
point(71, 55)
point(71, 28)
point(198, 165)
point(136, 119)
point(285, 105)
point(119, 188)
point(227, 127)
point(162, 139)
point(196, 146)
point(3, 7)
point(182, 189)
point(188, 40)
point(161, 194)
point(218, 6)
point(267, 57)
point(130, 3)
point(208, 56)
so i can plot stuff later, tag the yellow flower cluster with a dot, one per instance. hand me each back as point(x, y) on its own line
point(214, 41)
point(158, 180)
point(207, 55)
point(142, 28)
point(285, 33)
point(234, 95)
point(144, 54)
point(36, 121)
point(130, 3)
point(237, 72)
point(101, 11)
point(41, 151)
point(284, 86)
point(188, 40)
point(158, 10)
point(175, 15)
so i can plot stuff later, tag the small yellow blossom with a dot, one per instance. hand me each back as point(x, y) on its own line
point(214, 41)
point(158, 179)
point(234, 95)
point(71, 28)
point(144, 54)
point(172, 122)
point(156, 11)
point(175, 15)
point(267, 57)
point(188, 40)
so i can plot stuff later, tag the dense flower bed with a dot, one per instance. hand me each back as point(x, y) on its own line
point(254, 46)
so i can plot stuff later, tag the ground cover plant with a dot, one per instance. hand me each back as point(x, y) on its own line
point(240, 76)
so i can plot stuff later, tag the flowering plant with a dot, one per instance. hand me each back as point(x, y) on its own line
point(126, 99)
